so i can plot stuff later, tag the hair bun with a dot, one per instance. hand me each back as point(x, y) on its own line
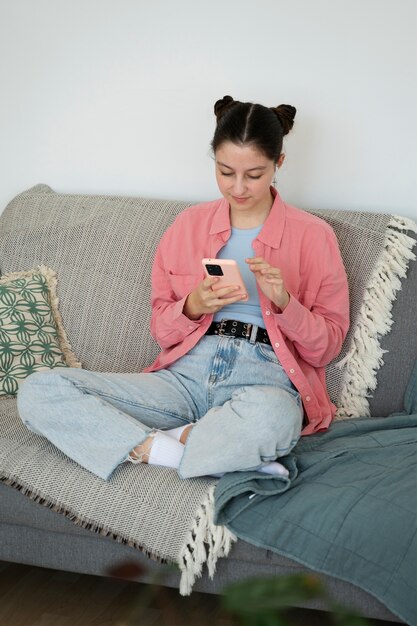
point(221, 106)
point(286, 114)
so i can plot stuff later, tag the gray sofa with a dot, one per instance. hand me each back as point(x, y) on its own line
point(100, 245)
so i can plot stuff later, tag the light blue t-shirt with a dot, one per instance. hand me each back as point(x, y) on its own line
point(239, 248)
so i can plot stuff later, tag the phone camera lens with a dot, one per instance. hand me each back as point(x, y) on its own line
point(214, 270)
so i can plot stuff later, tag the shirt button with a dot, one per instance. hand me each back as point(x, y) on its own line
point(268, 312)
point(292, 371)
point(276, 345)
point(308, 398)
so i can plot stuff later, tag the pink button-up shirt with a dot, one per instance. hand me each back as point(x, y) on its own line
point(306, 336)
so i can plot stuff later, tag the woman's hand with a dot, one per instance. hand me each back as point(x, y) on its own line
point(270, 281)
point(207, 299)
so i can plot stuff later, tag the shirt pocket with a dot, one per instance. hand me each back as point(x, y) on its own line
point(183, 284)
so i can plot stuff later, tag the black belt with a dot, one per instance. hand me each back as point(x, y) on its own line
point(233, 328)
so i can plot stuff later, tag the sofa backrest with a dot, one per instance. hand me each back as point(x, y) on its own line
point(102, 249)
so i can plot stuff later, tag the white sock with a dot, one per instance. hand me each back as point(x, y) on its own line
point(165, 451)
point(176, 432)
point(274, 468)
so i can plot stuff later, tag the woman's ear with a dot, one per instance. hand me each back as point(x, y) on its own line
point(281, 159)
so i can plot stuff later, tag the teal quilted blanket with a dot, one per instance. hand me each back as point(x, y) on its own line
point(348, 508)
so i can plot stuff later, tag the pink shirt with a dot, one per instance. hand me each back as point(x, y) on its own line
point(306, 336)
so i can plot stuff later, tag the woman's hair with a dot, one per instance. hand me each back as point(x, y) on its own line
point(246, 123)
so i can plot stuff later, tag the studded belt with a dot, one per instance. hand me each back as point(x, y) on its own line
point(242, 330)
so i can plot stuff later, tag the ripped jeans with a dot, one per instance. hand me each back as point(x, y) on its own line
point(245, 409)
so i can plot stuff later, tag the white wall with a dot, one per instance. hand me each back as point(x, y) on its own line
point(116, 96)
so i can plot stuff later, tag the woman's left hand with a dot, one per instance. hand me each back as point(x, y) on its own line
point(270, 281)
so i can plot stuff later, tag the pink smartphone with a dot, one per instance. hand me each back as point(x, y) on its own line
point(228, 272)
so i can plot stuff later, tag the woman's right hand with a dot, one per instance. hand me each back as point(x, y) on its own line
point(207, 299)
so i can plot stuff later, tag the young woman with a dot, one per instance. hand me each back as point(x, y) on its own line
point(241, 374)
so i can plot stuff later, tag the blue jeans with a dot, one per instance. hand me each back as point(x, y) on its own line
point(245, 409)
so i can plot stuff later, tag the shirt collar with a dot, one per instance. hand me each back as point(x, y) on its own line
point(272, 230)
point(221, 219)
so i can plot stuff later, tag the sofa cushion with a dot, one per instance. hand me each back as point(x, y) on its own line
point(32, 336)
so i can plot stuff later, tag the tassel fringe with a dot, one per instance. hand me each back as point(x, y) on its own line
point(206, 543)
point(64, 343)
point(194, 553)
point(375, 319)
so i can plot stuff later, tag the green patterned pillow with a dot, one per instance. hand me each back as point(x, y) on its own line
point(32, 336)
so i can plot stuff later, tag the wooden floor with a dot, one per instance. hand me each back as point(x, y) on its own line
point(31, 596)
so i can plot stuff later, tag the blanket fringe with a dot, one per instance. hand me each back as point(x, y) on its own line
point(375, 319)
point(206, 542)
point(78, 521)
point(403, 223)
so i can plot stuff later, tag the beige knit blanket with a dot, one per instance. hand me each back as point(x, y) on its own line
point(149, 508)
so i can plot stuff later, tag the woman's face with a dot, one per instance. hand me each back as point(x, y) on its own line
point(244, 177)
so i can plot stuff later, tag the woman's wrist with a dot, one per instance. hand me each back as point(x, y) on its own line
point(283, 302)
point(190, 310)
